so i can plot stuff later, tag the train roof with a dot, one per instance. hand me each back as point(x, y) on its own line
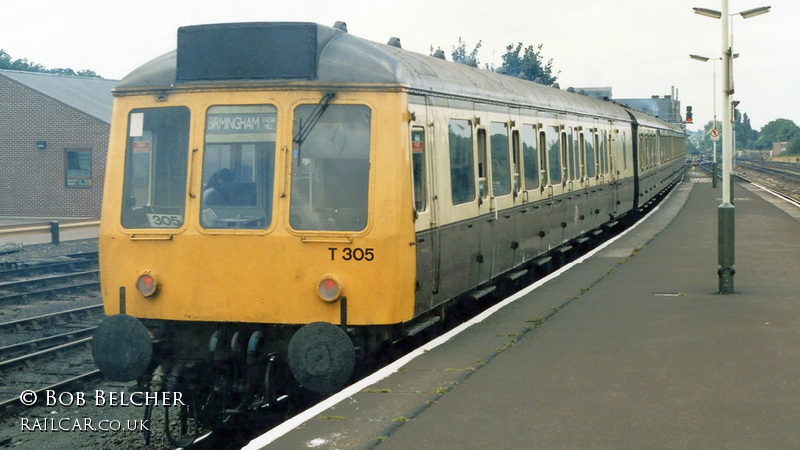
point(281, 52)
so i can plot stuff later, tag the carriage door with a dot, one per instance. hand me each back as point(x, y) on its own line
point(426, 225)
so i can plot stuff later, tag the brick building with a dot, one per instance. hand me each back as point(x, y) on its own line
point(53, 142)
point(779, 147)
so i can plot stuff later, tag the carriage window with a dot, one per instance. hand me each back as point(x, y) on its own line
point(553, 150)
point(602, 154)
point(462, 166)
point(516, 161)
point(590, 144)
point(156, 160)
point(330, 168)
point(582, 155)
point(574, 154)
point(238, 167)
point(501, 166)
point(418, 167)
point(566, 160)
point(530, 161)
point(543, 159)
point(624, 151)
point(483, 190)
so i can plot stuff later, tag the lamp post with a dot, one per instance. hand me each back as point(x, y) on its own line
point(713, 140)
point(725, 215)
point(714, 168)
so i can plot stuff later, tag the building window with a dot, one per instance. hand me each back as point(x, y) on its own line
point(78, 168)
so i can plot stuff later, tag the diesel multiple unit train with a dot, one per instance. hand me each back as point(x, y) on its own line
point(284, 199)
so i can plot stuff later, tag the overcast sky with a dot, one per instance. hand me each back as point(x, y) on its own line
point(638, 47)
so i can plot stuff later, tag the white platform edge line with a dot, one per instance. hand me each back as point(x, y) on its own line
point(776, 194)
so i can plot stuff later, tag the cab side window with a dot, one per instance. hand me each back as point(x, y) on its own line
point(418, 167)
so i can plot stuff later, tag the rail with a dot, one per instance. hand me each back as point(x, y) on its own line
point(45, 318)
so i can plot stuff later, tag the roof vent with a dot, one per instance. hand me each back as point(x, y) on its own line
point(341, 26)
point(394, 42)
point(439, 53)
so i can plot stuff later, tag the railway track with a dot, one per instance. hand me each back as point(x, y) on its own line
point(61, 358)
point(23, 281)
point(782, 178)
point(68, 263)
point(59, 328)
point(45, 349)
point(785, 170)
point(38, 287)
point(51, 368)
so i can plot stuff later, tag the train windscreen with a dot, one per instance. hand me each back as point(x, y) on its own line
point(156, 156)
point(238, 167)
point(330, 168)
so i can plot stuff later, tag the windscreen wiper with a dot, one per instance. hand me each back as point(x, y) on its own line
point(305, 129)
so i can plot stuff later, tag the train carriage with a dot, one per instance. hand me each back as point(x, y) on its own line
point(287, 194)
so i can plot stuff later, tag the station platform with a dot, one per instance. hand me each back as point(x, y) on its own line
point(36, 230)
point(630, 348)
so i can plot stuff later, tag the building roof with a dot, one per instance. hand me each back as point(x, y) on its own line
point(91, 96)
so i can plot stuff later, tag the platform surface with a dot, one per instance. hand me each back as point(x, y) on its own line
point(631, 348)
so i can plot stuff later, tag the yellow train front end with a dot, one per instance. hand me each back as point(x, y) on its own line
point(257, 232)
point(221, 210)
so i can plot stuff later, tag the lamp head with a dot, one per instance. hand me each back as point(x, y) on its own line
point(755, 12)
point(708, 12)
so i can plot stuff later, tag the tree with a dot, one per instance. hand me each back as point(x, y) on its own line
point(746, 136)
point(460, 54)
point(706, 144)
point(529, 64)
point(694, 144)
point(6, 62)
point(779, 130)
